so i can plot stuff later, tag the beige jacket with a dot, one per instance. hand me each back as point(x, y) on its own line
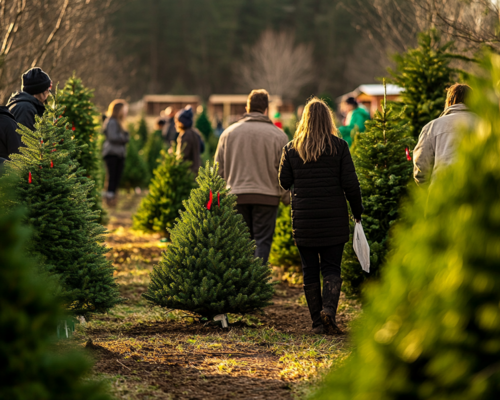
point(249, 154)
point(437, 143)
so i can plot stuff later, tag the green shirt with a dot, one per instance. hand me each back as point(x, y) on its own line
point(357, 119)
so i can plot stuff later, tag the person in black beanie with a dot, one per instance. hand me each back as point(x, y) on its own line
point(27, 103)
point(190, 144)
point(10, 140)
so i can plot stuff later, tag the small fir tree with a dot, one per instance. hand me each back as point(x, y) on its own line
point(284, 252)
point(135, 173)
point(83, 117)
point(29, 366)
point(142, 131)
point(210, 267)
point(55, 194)
point(204, 126)
point(171, 185)
point(431, 328)
point(383, 163)
point(152, 151)
point(424, 73)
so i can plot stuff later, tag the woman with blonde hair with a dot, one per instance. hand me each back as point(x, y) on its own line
point(317, 166)
point(114, 149)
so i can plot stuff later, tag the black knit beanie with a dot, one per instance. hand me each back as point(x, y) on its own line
point(185, 116)
point(35, 81)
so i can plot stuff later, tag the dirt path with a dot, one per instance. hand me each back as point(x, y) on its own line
point(147, 353)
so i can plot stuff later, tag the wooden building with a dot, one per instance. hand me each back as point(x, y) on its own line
point(155, 103)
point(372, 96)
point(229, 108)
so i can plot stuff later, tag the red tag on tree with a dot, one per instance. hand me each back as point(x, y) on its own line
point(51, 164)
point(29, 178)
point(408, 157)
point(40, 167)
point(73, 129)
point(218, 198)
point(209, 204)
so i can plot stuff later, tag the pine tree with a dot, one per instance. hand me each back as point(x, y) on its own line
point(83, 117)
point(431, 328)
point(424, 73)
point(29, 366)
point(143, 133)
point(204, 126)
point(210, 267)
point(135, 173)
point(51, 187)
point(152, 151)
point(171, 185)
point(384, 171)
point(284, 252)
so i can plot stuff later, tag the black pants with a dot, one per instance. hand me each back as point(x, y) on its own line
point(115, 166)
point(327, 259)
point(261, 221)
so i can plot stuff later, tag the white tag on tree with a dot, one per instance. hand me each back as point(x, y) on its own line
point(361, 247)
point(222, 318)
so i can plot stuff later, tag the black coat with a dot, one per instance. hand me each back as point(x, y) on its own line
point(319, 209)
point(24, 107)
point(10, 140)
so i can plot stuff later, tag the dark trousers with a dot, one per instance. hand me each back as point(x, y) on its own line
point(115, 166)
point(327, 259)
point(261, 221)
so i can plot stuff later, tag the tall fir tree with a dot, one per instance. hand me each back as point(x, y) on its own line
point(55, 194)
point(424, 73)
point(210, 267)
point(83, 117)
point(29, 365)
point(152, 151)
point(382, 159)
point(431, 328)
point(170, 187)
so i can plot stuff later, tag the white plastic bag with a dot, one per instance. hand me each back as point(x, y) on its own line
point(361, 247)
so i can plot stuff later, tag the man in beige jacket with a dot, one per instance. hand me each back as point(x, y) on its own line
point(249, 154)
point(437, 143)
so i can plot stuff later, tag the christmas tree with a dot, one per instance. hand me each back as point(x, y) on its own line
point(29, 366)
point(210, 267)
point(142, 131)
point(83, 117)
point(51, 187)
point(152, 150)
point(431, 328)
point(284, 252)
point(383, 164)
point(204, 126)
point(171, 185)
point(135, 173)
point(424, 74)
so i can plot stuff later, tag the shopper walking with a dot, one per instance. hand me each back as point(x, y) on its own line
point(437, 143)
point(318, 164)
point(27, 103)
point(248, 154)
point(356, 118)
point(114, 148)
point(189, 141)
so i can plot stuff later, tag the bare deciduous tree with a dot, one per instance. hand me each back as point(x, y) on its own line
point(61, 36)
point(276, 63)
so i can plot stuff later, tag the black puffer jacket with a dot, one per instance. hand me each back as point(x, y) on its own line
point(319, 208)
point(24, 107)
point(10, 140)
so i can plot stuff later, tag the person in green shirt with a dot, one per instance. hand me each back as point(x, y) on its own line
point(356, 118)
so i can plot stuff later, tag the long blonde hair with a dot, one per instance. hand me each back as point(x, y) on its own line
point(315, 131)
point(115, 110)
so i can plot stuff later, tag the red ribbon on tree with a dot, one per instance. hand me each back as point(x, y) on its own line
point(408, 157)
point(29, 178)
point(51, 164)
point(40, 167)
point(218, 198)
point(209, 204)
point(73, 129)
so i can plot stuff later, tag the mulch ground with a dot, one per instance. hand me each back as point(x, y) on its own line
point(149, 356)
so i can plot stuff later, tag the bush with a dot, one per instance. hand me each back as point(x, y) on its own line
point(431, 329)
point(210, 267)
point(171, 185)
point(384, 172)
point(30, 368)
